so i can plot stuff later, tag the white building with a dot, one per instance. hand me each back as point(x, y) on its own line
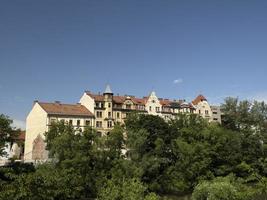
point(102, 111)
point(41, 117)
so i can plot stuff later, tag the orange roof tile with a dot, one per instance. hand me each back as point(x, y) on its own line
point(139, 101)
point(20, 136)
point(165, 102)
point(199, 99)
point(118, 99)
point(66, 109)
point(96, 97)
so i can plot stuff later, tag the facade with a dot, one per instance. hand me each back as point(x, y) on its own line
point(109, 109)
point(216, 114)
point(42, 116)
point(103, 111)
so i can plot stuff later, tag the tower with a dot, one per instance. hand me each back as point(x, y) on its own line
point(108, 98)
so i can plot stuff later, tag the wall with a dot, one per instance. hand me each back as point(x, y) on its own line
point(36, 123)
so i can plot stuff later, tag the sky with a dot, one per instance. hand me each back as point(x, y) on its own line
point(55, 50)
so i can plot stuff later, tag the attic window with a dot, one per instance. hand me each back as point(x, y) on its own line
point(153, 101)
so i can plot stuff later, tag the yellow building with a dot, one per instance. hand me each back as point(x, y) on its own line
point(40, 118)
point(102, 111)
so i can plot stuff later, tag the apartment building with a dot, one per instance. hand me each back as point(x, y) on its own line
point(109, 109)
point(103, 111)
point(42, 116)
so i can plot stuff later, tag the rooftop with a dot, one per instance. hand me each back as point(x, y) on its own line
point(65, 109)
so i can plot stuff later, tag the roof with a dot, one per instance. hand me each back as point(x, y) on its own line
point(139, 101)
point(118, 99)
point(20, 136)
point(96, 97)
point(108, 90)
point(66, 109)
point(165, 102)
point(198, 99)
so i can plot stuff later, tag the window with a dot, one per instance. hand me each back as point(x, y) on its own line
point(157, 109)
point(206, 112)
point(153, 101)
point(128, 106)
point(62, 120)
point(109, 124)
point(98, 105)
point(70, 122)
point(150, 108)
point(215, 119)
point(53, 120)
point(109, 105)
point(98, 114)
point(109, 114)
point(87, 122)
point(118, 115)
point(98, 124)
point(215, 113)
point(199, 111)
point(78, 122)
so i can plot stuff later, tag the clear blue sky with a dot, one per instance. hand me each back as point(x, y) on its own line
point(54, 50)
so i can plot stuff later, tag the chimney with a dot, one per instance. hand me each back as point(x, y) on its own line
point(35, 101)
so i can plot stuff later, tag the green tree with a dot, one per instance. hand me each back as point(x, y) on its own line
point(129, 189)
point(226, 188)
point(7, 133)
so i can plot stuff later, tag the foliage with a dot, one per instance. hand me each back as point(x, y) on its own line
point(178, 156)
point(7, 133)
point(129, 189)
point(227, 188)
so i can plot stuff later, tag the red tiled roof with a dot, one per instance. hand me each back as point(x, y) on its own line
point(21, 136)
point(165, 102)
point(199, 99)
point(139, 101)
point(96, 97)
point(118, 99)
point(66, 109)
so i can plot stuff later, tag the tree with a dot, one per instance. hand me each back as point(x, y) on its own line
point(128, 189)
point(227, 188)
point(7, 133)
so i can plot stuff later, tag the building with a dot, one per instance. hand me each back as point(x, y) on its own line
point(103, 111)
point(14, 150)
point(216, 114)
point(109, 109)
point(211, 113)
point(42, 116)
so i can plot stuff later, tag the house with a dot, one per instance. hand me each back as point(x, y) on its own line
point(42, 116)
point(103, 111)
